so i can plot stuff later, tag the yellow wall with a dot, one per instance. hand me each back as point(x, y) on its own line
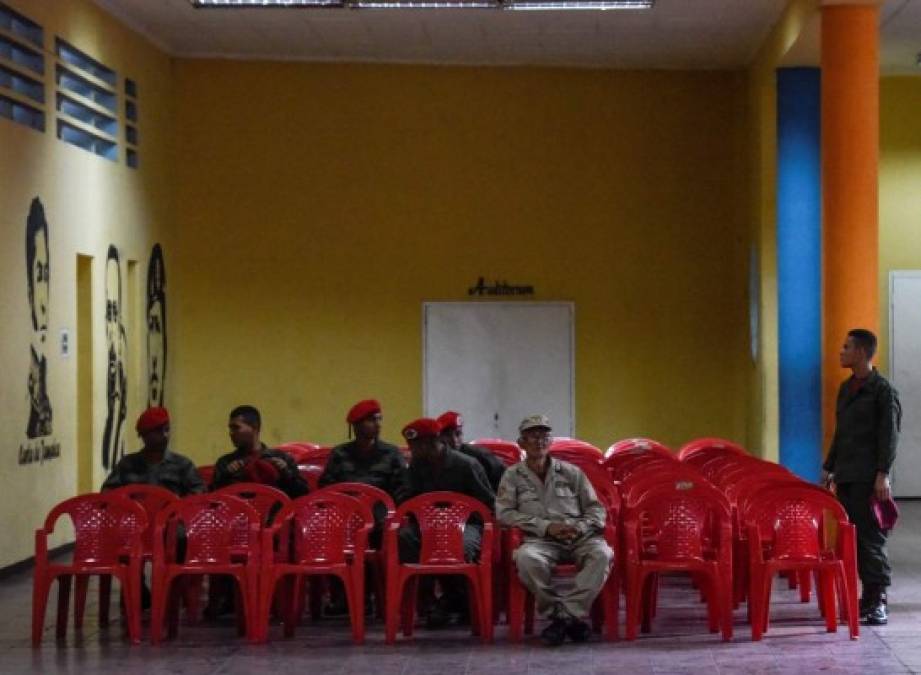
point(318, 206)
point(89, 203)
point(899, 192)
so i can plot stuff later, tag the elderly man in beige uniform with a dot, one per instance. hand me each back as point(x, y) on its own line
point(555, 506)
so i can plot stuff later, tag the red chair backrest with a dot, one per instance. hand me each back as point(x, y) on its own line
point(267, 500)
point(311, 474)
point(690, 449)
point(794, 516)
point(327, 527)
point(508, 452)
point(639, 483)
point(295, 447)
point(752, 483)
point(441, 517)
point(153, 499)
point(106, 526)
point(566, 443)
point(317, 456)
point(207, 473)
point(682, 514)
point(629, 444)
point(628, 466)
point(367, 494)
point(212, 524)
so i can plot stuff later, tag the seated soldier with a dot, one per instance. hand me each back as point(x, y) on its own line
point(252, 462)
point(452, 433)
point(555, 505)
point(155, 463)
point(434, 468)
point(369, 460)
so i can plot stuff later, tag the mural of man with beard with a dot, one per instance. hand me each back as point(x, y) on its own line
point(37, 270)
point(156, 328)
point(116, 347)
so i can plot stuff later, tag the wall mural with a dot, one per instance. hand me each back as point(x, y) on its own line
point(40, 445)
point(113, 444)
point(156, 327)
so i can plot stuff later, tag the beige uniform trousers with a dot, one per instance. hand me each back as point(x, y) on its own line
point(536, 558)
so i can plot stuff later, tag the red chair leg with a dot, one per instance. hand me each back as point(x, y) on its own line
point(408, 606)
point(81, 586)
point(63, 606)
point(825, 589)
point(515, 609)
point(41, 585)
point(393, 606)
point(804, 578)
point(105, 598)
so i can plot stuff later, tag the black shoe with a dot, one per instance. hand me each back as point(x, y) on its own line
point(578, 631)
point(216, 610)
point(337, 607)
point(877, 616)
point(554, 634)
point(438, 617)
point(865, 605)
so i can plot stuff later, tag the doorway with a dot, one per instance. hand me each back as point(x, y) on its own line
point(905, 373)
point(497, 362)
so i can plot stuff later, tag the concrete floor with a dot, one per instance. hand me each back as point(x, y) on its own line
point(679, 643)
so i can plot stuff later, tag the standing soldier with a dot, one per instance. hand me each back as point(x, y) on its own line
point(862, 451)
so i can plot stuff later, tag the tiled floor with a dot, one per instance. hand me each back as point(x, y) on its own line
point(679, 643)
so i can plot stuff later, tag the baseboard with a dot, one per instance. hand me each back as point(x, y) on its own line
point(26, 565)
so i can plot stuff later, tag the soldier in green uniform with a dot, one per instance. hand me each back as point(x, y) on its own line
point(434, 468)
point(369, 460)
point(867, 419)
point(555, 506)
point(452, 433)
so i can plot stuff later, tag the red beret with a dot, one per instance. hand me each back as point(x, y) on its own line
point(152, 418)
point(261, 471)
point(450, 420)
point(363, 409)
point(421, 428)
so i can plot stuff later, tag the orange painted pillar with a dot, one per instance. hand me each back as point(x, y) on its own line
point(850, 157)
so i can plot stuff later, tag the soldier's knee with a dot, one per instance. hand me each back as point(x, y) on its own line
point(528, 559)
point(599, 556)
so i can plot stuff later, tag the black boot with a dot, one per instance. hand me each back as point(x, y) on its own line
point(877, 613)
point(554, 634)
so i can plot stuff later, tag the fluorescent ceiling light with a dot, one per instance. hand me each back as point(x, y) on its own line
point(243, 4)
point(546, 5)
point(569, 5)
point(424, 4)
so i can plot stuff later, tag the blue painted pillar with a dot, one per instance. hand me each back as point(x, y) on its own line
point(799, 269)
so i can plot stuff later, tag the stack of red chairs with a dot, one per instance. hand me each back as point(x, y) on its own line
point(677, 523)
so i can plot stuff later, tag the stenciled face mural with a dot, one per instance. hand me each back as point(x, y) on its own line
point(156, 327)
point(116, 348)
point(38, 270)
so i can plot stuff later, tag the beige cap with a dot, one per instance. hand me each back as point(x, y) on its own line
point(535, 422)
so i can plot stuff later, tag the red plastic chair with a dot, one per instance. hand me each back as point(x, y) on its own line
point(607, 605)
point(786, 532)
point(212, 524)
point(295, 447)
point(709, 444)
point(506, 451)
point(642, 444)
point(575, 451)
point(313, 457)
point(207, 474)
point(153, 499)
point(691, 532)
point(330, 538)
point(311, 474)
point(441, 517)
point(624, 466)
point(267, 500)
point(373, 497)
point(108, 531)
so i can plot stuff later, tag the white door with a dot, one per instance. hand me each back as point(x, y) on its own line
point(905, 370)
point(498, 362)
